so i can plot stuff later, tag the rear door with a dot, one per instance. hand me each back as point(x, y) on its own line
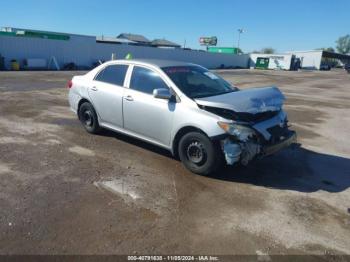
point(106, 94)
point(144, 114)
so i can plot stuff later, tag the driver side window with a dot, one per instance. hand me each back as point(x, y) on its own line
point(198, 80)
point(145, 80)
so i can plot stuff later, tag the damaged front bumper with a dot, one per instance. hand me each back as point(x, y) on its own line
point(285, 142)
point(245, 142)
point(245, 151)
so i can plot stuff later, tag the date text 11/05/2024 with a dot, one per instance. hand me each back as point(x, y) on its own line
point(173, 258)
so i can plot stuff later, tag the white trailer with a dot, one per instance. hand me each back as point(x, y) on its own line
point(276, 61)
point(309, 59)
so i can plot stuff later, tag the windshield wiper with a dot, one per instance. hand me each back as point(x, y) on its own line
point(217, 94)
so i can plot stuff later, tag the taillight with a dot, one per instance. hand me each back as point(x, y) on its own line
point(70, 84)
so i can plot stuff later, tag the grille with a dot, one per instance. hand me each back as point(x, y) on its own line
point(277, 133)
point(258, 117)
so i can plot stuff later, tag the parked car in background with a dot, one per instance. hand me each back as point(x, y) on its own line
point(325, 67)
point(184, 108)
point(347, 68)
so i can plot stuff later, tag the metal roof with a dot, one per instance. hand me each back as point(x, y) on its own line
point(134, 37)
point(107, 39)
point(336, 55)
point(14, 29)
point(164, 42)
point(324, 53)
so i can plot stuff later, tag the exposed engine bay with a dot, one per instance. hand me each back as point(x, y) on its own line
point(259, 125)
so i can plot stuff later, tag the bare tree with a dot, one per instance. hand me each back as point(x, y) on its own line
point(239, 51)
point(268, 50)
point(328, 49)
point(343, 44)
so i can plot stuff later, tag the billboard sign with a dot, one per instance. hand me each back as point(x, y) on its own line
point(208, 41)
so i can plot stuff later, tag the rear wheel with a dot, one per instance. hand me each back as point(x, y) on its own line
point(199, 154)
point(88, 118)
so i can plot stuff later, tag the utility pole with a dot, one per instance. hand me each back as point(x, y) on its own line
point(240, 31)
point(233, 40)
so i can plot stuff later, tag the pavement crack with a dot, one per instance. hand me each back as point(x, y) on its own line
point(176, 200)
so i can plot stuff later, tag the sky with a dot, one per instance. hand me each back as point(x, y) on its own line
point(283, 25)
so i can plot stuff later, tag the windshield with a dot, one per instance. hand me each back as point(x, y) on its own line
point(196, 82)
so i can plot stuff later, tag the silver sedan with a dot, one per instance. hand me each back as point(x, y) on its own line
point(184, 108)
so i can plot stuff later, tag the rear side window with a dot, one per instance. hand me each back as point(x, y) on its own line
point(113, 74)
point(145, 80)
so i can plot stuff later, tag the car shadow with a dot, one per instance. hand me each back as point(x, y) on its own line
point(295, 168)
point(135, 142)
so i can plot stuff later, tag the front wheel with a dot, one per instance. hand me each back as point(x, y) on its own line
point(199, 154)
point(88, 118)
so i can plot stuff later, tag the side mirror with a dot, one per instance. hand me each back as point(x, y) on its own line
point(162, 93)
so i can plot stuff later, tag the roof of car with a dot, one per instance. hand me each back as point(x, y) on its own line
point(160, 62)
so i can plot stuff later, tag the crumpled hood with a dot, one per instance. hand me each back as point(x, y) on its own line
point(252, 100)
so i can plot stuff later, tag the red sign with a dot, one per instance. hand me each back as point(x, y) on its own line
point(208, 41)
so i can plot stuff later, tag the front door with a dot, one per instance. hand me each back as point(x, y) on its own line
point(144, 114)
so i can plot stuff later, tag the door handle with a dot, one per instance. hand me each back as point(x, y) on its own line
point(129, 98)
point(94, 88)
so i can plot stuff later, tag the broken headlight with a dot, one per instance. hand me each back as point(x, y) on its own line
point(243, 133)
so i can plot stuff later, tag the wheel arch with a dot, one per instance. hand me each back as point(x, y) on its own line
point(180, 133)
point(81, 101)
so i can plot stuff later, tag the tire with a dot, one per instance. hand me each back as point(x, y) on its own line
point(199, 154)
point(88, 117)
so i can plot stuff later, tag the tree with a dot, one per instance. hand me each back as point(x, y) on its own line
point(328, 49)
point(332, 62)
point(268, 50)
point(343, 44)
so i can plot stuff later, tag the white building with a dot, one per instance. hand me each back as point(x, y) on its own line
point(309, 59)
point(275, 61)
point(84, 51)
point(291, 60)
